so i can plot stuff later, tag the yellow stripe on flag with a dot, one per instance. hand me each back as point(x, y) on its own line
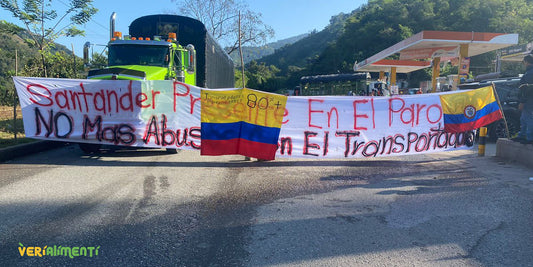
point(456, 103)
point(251, 106)
point(222, 106)
point(264, 109)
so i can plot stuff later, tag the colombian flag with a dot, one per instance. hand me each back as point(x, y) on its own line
point(241, 121)
point(469, 110)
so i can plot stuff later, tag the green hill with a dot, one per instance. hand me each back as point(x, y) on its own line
point(380, 24)
point(304, 51)
point(253, 52)
point(11, 43)
point(13, 40)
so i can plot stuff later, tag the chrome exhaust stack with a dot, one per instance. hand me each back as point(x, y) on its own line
point(112, 25)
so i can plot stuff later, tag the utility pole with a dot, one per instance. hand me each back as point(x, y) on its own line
point(242, 65)
point(15, 97)
point(240, 52)
point(74, 60)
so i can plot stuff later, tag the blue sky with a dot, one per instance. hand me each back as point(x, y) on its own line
point(287, 17)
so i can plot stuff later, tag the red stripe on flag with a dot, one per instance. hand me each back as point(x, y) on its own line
point(220, 147)
point(257, 150)
point(238, 146)
point(469, 126)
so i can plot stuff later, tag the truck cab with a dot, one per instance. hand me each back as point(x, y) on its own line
point(144, 58)
point(152, 51)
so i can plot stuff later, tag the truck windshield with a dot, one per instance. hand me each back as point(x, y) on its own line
point(138, 55)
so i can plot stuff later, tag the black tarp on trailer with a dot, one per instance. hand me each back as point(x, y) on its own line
point(214, 67)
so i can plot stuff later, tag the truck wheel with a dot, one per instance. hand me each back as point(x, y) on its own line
point(470, 137)
point(172, 151)
point(89, 148)
point(498, 130)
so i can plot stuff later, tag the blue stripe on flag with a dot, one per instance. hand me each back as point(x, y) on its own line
point(261, 134)
point(244, 130)
point(461, 118)
point(221, 131)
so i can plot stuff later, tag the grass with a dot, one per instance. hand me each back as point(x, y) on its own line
point(7, 133)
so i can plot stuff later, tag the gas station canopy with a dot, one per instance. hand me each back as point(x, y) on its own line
point(402, 66)
point(432, 44)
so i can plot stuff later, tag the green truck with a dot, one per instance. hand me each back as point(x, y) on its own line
point(164, 47)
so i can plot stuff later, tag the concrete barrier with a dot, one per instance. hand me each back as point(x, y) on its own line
point(514, 151)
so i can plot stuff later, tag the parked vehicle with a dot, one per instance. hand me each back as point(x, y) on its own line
point(164, 47)
point(507, 91)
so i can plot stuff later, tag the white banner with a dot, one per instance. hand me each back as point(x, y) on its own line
point(167, 114)
point(129, 113)
point(348, 126)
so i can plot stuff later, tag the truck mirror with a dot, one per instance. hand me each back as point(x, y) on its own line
point(86, 47)
point(191, 59)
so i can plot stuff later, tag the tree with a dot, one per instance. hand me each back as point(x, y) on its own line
point(382, 23)
point(221, 19)
point(11, 44)
point(9, 28)
point(238, 78)
point(43, 23)
point(58, 65)
point(259, 76)
point(98, 61)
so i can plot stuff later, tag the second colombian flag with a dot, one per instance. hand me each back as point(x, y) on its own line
point(469, 110)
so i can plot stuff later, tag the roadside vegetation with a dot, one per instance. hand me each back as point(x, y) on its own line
point(8, 128)
point(28, 49)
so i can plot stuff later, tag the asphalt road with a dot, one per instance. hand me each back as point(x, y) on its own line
point(148, 208)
